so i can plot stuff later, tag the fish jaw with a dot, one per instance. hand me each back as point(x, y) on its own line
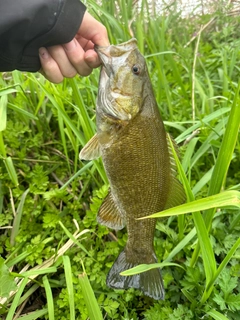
point(120, 95)
point(106, 53)
point(110, 103)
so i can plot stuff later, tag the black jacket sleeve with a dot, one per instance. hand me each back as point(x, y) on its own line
point(27, 25)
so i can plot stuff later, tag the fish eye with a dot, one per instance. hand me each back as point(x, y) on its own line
point(136, 69)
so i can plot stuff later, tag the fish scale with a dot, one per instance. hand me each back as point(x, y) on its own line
point(131, 170)
point(132, 142)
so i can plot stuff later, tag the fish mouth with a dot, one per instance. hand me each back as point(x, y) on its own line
point(105, 58)
point(106, 53)
point(113, 103)
point(107, 103)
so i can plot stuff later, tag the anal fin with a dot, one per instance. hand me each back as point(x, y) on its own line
point(109, 214)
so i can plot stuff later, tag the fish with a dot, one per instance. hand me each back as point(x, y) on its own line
point(139, 164)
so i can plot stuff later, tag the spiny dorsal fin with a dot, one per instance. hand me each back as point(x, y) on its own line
point(91, 150)
point(109, 214)
point(176, 194)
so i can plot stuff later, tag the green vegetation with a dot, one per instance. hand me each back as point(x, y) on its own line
point(54, 257)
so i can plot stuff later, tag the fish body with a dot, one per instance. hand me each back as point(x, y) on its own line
point(132, 142)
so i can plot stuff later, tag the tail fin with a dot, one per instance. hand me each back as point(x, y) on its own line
point(149, 282)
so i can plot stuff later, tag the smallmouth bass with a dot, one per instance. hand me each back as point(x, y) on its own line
point(132, 142)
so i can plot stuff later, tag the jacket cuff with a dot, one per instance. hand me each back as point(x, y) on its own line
point(63, 31)
point(69, 16)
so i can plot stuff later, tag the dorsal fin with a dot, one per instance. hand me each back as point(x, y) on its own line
point(176, 194)
point(91, 150)
point(109, 214)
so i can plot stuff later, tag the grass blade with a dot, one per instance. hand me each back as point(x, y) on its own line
point(204, 241)
point(94, 312)
point(217, 315)
point(221, 200)
point(225, 154)
point(146, 267)
point(34, 315)
point(49, 298)
point(16, 299)
point(223, 161)
point(69, 281)
point(17, 219)
point(223, 264)
point(74, 240)
point(181, 244)
point(32, 273)
point(3, 112)
point(11, 170)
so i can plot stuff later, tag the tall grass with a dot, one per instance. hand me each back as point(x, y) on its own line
point(43, 253)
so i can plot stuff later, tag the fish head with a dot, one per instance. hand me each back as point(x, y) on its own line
point(122, 80)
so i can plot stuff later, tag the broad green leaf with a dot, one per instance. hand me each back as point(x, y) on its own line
point(7, 283)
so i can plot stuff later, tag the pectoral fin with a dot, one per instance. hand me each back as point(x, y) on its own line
point(109, 214)
point(91, 150)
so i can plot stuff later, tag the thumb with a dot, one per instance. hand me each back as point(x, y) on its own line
point(93, 30)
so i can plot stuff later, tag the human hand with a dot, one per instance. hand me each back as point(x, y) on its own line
point(76, 56)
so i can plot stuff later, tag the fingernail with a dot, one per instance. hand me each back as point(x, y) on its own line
point(70, 45)
point(43, 53)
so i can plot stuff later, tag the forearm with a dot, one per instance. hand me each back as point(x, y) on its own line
point(26, 25)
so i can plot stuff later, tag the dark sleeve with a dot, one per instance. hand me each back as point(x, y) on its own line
point(27, 25)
